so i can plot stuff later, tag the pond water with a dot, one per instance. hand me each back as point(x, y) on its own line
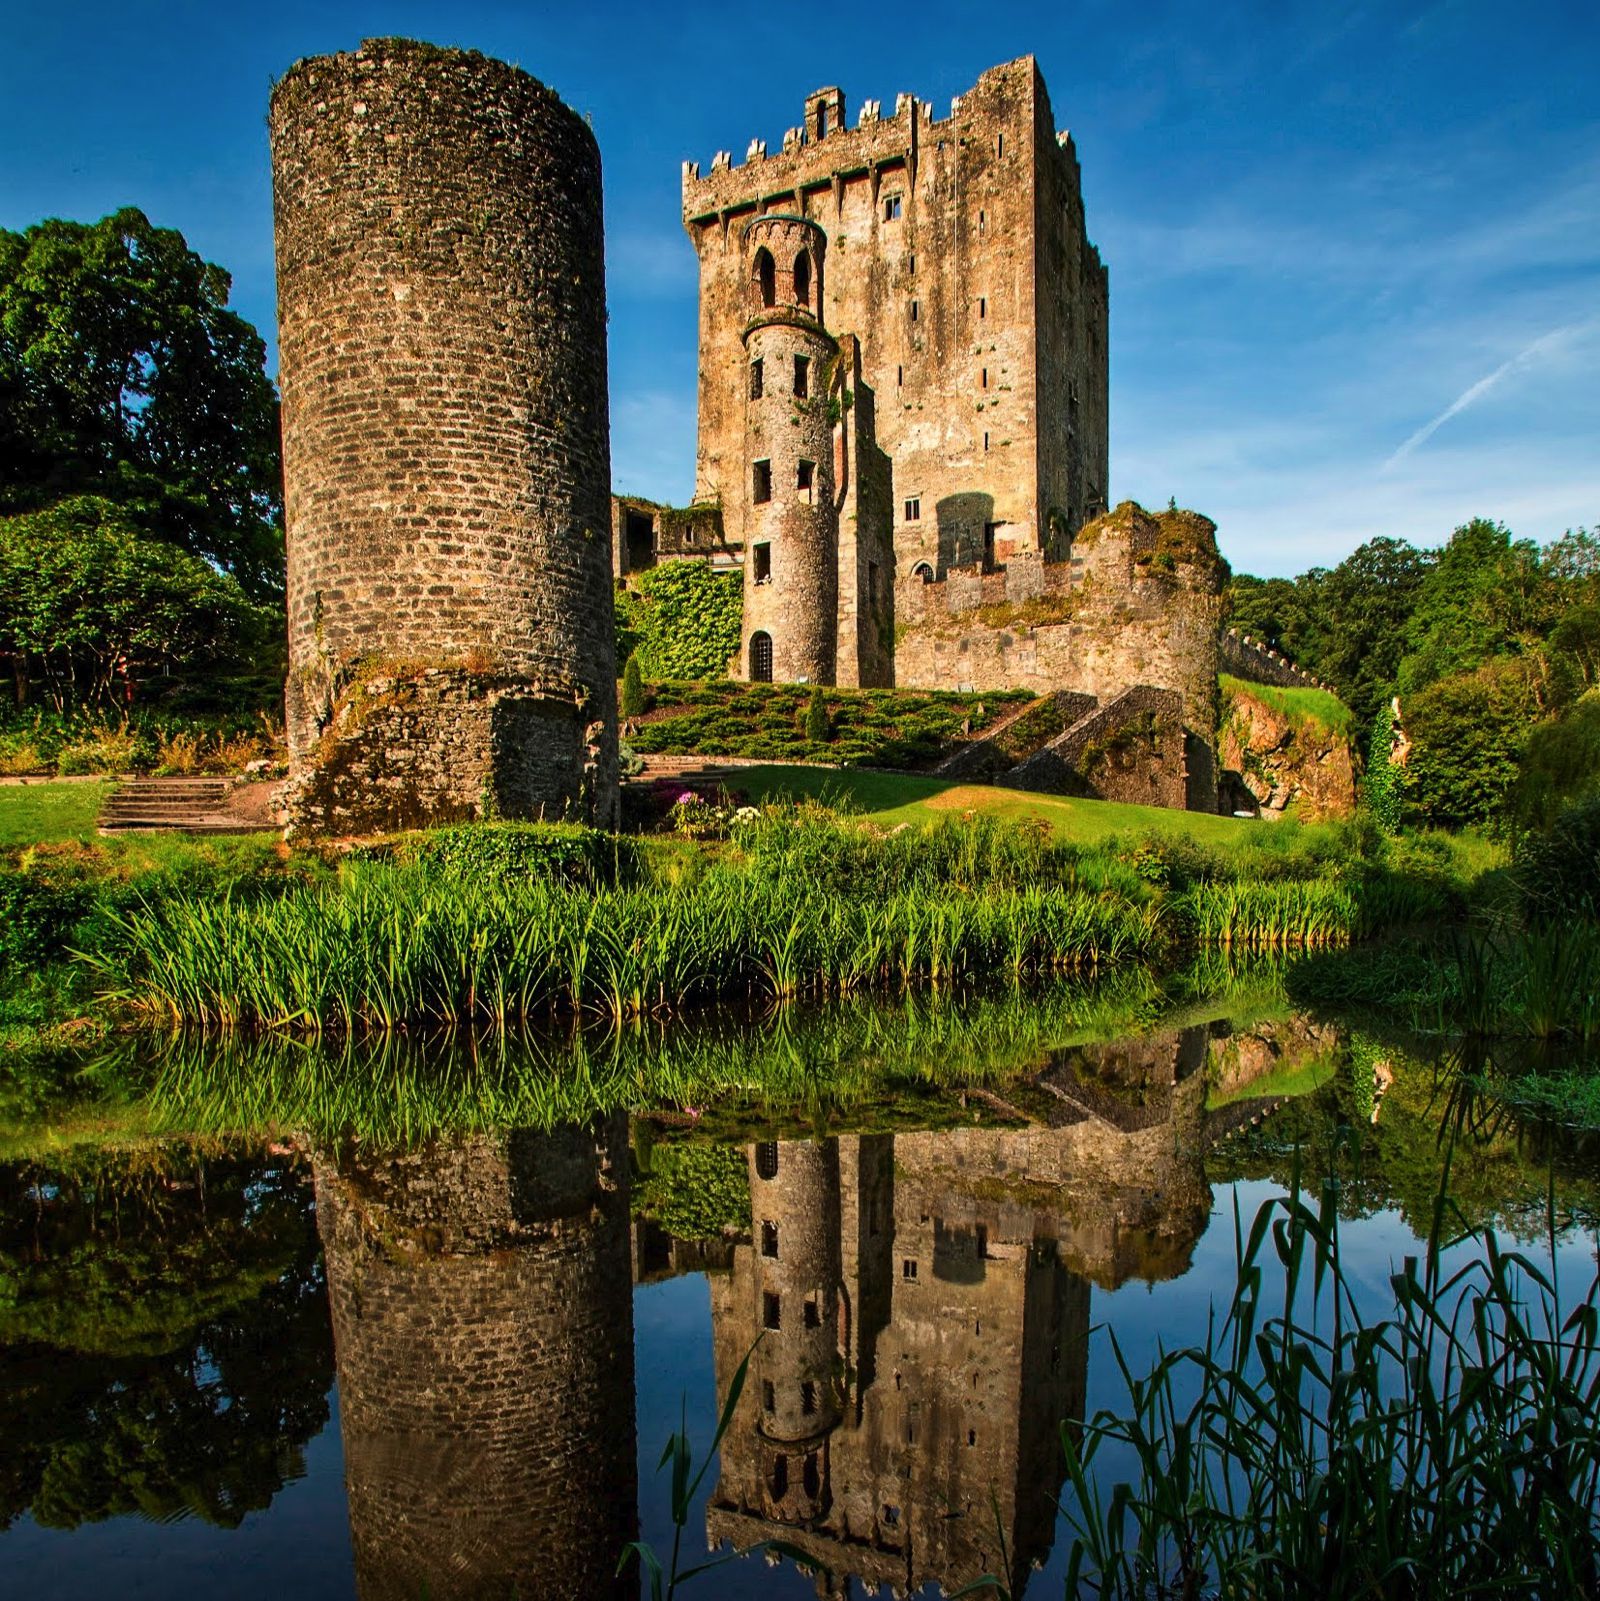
point(274, 1363)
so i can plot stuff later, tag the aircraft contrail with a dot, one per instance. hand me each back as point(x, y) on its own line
point(1523, 358)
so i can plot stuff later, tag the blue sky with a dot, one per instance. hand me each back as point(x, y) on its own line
point(1354, 249)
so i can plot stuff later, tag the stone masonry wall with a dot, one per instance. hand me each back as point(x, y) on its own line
point(1247, 658)
point(1137, 603)
point(482, 1309)
point(957, 256)
point(446, 454)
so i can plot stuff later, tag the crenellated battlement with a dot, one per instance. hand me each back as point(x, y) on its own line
point(824, 145)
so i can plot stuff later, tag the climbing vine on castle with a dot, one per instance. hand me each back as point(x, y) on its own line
point(682, 619)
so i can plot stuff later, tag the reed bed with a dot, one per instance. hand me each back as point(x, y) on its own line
point(1448, 1449)
point(395, 948)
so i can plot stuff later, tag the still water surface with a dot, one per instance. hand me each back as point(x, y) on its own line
point(316, 1367)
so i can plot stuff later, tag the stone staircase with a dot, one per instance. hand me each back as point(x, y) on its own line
point(175, 805)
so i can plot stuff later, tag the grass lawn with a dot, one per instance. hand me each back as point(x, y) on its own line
point(908, 798)
point(36, 814)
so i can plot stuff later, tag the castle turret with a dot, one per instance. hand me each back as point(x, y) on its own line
point(441, 316)
point(790, 515)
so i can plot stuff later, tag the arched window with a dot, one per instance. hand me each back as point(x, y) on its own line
point(761, 673)
point(780, 1478)
point(923, 572)
point(767, 1150)
point(767, 277)
point(802, 278)
point(811, 1477)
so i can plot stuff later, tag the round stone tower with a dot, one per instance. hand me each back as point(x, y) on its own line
point(482, 1298)
point(791, 524)
point(442, 327)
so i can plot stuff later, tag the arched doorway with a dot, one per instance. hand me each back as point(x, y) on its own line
point(761, 658)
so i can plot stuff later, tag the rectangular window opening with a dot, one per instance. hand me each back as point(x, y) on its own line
point(913, 262)
point(999, 144)
point(771, 1309)
point(914, 509)
point(804, 473)
point(983, 221)
point(913, 311)
point(891, 208)
point(756, 386)
point(769, 1231)
point(802, 376)
point(762, 574)
point(813, 1313)
point(761, 482)
point(908, 1270)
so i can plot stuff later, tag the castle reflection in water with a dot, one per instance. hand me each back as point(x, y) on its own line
point(916, 1308)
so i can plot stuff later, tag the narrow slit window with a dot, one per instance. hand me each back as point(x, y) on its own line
point(769, 1396)
point(983, 308)
point(912, 262)
point(914, 509)
point(972, 1436)
point(769, 1231)
point(804, 473)
point(914, 311)
point(985, 377)
point(808, 1398)
point(899, 377)
point(763, 575)
point(802, 376)
point(761, 482)
point(771, 1310)
point(999, 144)
point(756, 383)
point(983, 221)
point(986, 442)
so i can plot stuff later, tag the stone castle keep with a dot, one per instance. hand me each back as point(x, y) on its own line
point(903, 418)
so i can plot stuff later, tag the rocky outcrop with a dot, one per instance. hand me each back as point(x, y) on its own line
point(1275, 755)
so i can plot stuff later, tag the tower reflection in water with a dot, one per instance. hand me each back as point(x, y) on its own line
point(922, 1303)
point(483, 1328)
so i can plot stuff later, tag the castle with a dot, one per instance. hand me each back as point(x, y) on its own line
point(902, 443)
point(903, 418)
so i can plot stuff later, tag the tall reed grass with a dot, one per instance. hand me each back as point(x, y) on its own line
point(393, 947)
point(1448, 1450)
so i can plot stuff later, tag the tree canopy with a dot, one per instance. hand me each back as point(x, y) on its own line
point(1486, 640)
point(89, 605)
point(124, 375)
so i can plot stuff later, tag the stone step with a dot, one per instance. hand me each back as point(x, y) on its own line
point(173, 806)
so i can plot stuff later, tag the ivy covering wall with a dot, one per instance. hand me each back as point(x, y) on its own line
point(683, 620)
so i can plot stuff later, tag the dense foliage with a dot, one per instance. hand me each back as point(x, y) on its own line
point(682, 619)
point(124, 375)
point(1488, 641)
point(90, 606)
point(861, 728)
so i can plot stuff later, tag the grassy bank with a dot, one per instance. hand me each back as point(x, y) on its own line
point(791, 901)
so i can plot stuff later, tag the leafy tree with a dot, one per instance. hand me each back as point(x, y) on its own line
point(88, 604)
point(124, 374)
point(1383, 780)
point(1485, 596)
point(1467, 734)
point(1561, 764)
